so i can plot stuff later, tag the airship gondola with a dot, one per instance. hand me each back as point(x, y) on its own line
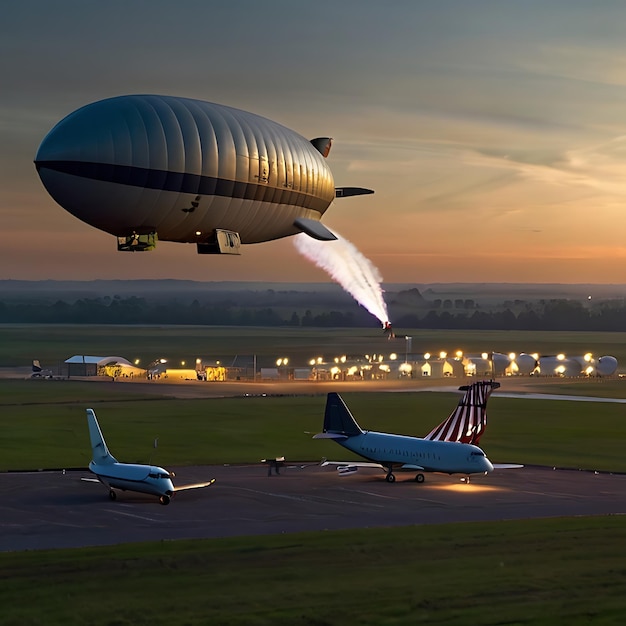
point(149, 167)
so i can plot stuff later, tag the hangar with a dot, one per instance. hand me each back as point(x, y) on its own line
point(113, 366)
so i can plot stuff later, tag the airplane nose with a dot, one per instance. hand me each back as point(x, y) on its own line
point(488, 466)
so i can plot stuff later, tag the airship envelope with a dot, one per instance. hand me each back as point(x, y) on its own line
point(148, 167)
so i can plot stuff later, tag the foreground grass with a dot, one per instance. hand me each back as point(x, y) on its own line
point(565, 571)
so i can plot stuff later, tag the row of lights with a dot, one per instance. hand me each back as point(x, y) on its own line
point(283, 361)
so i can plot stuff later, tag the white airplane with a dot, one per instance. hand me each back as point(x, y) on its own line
point(128, 476)
point(451, 448)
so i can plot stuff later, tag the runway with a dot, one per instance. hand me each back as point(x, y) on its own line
point(48, 510)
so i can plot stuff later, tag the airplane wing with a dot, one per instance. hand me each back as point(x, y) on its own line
point(91, 480)
point(506, 465)
point(195, 485)
point(351, 464)
point(344, 468)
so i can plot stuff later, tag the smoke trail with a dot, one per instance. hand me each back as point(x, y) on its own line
point(348, 267)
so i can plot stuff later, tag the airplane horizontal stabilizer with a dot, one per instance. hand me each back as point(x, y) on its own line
point(314, 228)
point(330, 436)
point(195, 485)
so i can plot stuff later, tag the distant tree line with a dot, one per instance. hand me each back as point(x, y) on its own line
point(137, 310)
point(542, 315)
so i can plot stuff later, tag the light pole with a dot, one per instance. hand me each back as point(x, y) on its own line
point(407, 347)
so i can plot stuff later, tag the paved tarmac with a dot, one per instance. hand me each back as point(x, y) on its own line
point(46, 510)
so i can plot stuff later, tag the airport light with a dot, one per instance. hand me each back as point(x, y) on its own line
point(312, 362)
point(484, 355)
point(405, 368)
point(512, 356)
point(459, 354)
point(426, 356)
point(343, 358)
point(443, 355)
point(588, 357)
point(182, 363)
point(560, 357)
point(137, 361)
point(393, 356)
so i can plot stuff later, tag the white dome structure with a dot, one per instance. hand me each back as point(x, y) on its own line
point(606, 366)
point(526, 363)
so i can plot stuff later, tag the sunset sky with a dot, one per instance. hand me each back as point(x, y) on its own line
point(493, 132)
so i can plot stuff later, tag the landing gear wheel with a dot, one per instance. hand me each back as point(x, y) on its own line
point(112, 495)
point(419, 478)
point(164, 500)
point(390, 478)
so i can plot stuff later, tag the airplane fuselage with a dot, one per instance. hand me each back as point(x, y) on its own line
point(431, 456)
point(129, 477)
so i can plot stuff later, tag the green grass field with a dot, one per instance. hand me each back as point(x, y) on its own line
point(43, 426)
point(53, 343)
point(558, 571)
point(535, 572)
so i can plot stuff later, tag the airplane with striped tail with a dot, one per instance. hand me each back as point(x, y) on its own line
point(450, 448)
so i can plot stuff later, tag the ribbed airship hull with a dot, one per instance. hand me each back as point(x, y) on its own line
point(183, 169)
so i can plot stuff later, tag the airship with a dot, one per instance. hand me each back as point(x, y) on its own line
point(148, 167)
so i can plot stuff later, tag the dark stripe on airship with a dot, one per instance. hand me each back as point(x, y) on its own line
point(183, 183)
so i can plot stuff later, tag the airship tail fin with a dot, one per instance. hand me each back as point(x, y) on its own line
point(314, 229)
point(322, 145)
point(346, 192)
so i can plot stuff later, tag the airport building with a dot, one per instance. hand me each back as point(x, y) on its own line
point(345, 368)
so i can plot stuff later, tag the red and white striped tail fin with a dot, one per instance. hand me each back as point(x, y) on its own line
point(467, 422)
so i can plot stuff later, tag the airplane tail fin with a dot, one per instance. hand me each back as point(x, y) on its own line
point(338, 420)
point(100, 452)
point(467, 422)
point(36, 366)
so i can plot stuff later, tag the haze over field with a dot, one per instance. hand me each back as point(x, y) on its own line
point(492, 131)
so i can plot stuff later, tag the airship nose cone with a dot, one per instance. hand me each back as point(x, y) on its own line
point(105, 132)
point(79, 159)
